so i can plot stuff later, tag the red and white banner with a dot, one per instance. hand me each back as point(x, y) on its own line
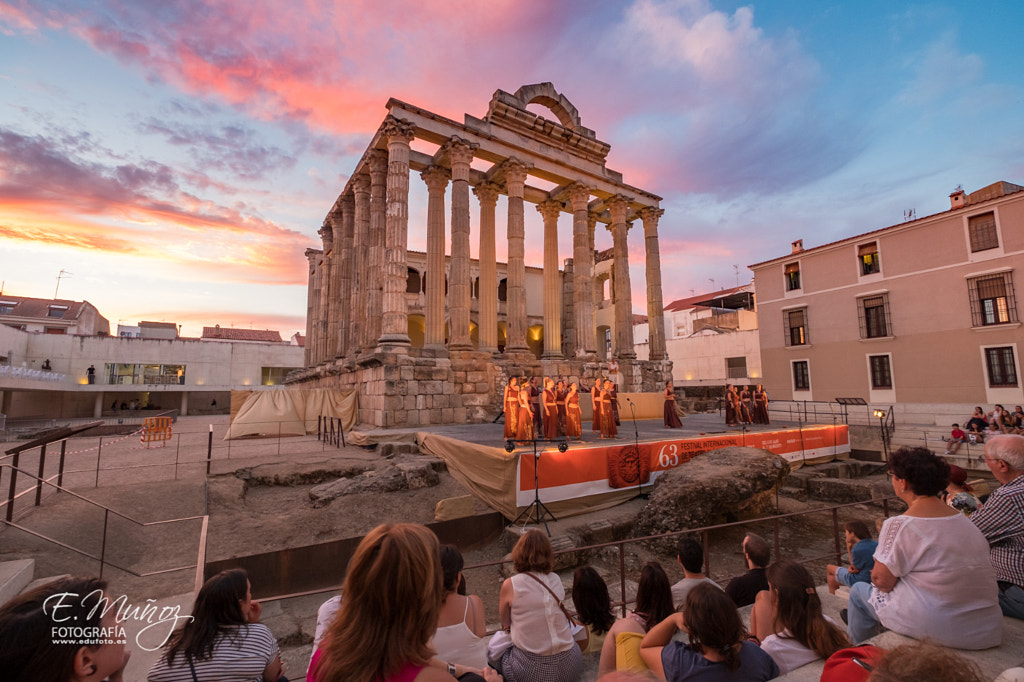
point(586, 470)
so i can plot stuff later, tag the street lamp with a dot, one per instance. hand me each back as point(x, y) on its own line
point(885, 436)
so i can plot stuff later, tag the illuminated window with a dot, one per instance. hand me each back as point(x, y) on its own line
point(796, 327)
point(992, 300)
point(867, 254)
point(792, 276)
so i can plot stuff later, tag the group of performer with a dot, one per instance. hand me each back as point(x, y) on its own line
point(746, 406)
point(554, 412)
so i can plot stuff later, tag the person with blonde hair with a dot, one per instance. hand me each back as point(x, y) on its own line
point(392, 598)
point(788, 622)
point(531, 610)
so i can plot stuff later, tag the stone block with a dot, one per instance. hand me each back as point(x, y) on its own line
point(407, 373)
point(447, 415)
point(459, 415)
point(483, 387)
point(409, 402)
point(475, 399)
point(432, 387)
point(435, 416)
point(439, 373)
point(467, 388)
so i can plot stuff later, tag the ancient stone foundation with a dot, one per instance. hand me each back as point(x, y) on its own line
point(424, 386)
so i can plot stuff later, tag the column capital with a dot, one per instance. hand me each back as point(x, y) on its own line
point(436, 178)
point(612, 226)
point(487, 193)
point(398, 130)
point(377, 160)
point(361, 183)
point(550, 209)
point(617, 206)
point(326, 232)
point(460, 152)
point(348, 201)
point(514, 170)
point(579, 195)
point(650, 215)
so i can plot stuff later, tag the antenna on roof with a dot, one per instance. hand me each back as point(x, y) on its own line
point(736, 269)
point(712, 280)
point(909, 214)
point(60, 274)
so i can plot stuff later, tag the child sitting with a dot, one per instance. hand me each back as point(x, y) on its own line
point(956, 438)
point(861, 550)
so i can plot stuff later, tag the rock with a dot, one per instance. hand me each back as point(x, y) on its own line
point(418, 475)
point(388, 480)
point(719, 486)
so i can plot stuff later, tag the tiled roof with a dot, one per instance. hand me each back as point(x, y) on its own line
point(232, 334)
point(159, 325)
point(685, 303)
point(40, 307)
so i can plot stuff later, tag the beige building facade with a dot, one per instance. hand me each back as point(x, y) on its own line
point(360, 331)
point(923, 315)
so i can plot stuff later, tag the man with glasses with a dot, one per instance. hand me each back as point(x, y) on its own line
point(1001, 520)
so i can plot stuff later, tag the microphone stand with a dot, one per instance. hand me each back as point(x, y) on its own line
point(636, 442)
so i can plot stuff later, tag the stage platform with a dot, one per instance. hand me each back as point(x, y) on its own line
point(597, 472)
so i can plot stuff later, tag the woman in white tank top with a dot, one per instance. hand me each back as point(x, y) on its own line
point(460, 625)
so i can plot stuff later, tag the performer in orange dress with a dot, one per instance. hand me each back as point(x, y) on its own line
point(524, 428)
point(608, 429)
point(550, 410)
point(573, 417)
point(560, 392)
point(671, 416)
point(731, 398)
point(761, 406)
point(746, 406)
point(598, 402)
point(510, 403)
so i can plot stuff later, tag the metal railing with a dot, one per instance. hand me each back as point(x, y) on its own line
point(107, 512)
point(331, 431)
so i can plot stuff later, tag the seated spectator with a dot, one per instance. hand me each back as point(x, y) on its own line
point(30, 651)
point(717, 648)
point(543, 646)
point(924, 662)
point(788, 621)
point(932, 578)
point(743, 589)
point(392, 597)
point(324, 617)
point(224, 640)
point(996, 417)
point(621, 650)
point(1001, 521)
point(861, 550)
point(1018, 419)
point(958, 494)
point(957, 437)
point(993, 429)
point(593, 606)
point(691, 557)
point(459, 639)
point(976, 426)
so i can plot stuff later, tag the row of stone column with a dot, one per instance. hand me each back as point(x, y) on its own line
point(357, 294)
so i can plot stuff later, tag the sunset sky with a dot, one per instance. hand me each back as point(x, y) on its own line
point(177, 158)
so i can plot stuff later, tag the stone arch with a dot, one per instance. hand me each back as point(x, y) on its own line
point(546, 95)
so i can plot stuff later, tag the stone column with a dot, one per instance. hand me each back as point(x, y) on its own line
point(348, 203)
point(378, 162)
point(515, 306)
point(334, 288)
point(487, 194)
point(619, 228)
point(583, 271)
point(655, 303)
point(460, 154)
point(323, 338)
point(361, 188)
point(550, 210)
point(436, 179)
point(596, 292)
point(316, 329)
point(307, 351)
point(395, 323)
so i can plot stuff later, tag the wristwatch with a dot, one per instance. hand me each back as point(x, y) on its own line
point(451, 669)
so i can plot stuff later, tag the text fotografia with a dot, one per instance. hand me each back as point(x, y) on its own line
point(88, 636)
point(63, 606)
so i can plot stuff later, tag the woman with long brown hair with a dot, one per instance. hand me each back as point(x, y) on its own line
point(621, 650)
point(717, 647)
point(524, 421)
point(788, 621)
point(392, 598)
point(510, 403)
point(573, 416)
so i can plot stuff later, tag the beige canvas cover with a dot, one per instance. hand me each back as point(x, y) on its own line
point(293, 412)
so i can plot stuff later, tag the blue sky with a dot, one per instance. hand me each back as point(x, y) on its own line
point(177, 157)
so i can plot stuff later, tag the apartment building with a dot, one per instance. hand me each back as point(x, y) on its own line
point(922, 314)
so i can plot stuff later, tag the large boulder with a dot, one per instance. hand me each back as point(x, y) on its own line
point(720, 486)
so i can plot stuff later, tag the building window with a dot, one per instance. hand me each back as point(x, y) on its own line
point(792, 276)
point(413, 282)
point(992, 299)
point(881, 373)
point(801, 376)
point(982, 231)
point(6, 308)
point(867, 254)
point(874, 317)
point(56, 311)
point(1002, 371)
point(796, 327)
point(503, 290)
point(55, 330)
point(736, 367)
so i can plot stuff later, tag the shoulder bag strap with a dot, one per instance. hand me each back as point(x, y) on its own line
point(572, 621)
point(192, 669)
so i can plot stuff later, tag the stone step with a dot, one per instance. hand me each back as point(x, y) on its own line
point(14, 577)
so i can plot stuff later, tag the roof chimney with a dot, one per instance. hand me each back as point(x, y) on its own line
point(798, 246)
point(958, 199)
